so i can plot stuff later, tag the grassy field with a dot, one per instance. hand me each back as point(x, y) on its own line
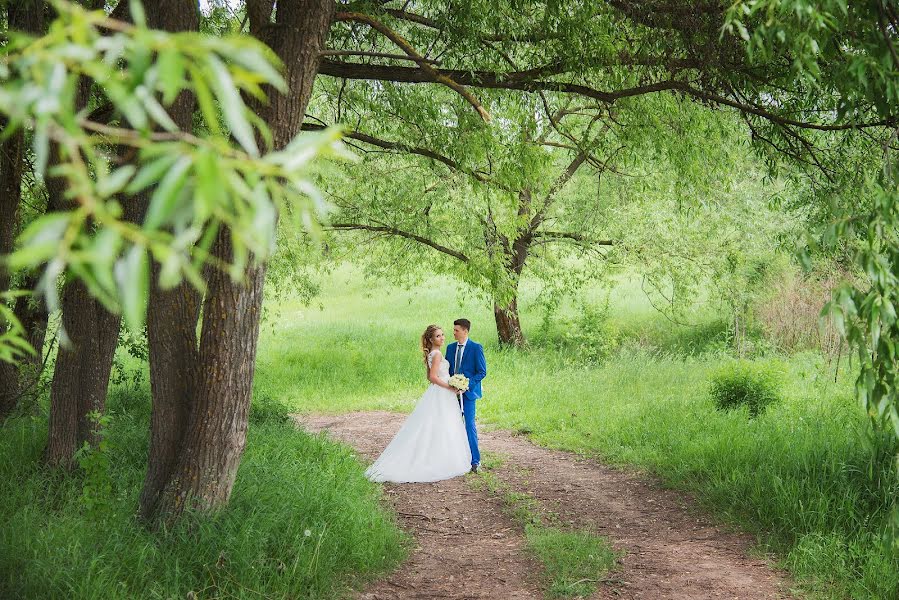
point(806, 476)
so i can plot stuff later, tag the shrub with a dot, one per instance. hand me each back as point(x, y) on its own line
point(745, 383)
point(266, 409)
point(593, 338)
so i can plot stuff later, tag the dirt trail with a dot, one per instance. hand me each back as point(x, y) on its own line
point(466, 547)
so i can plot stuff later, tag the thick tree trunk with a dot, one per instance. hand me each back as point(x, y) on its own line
point(81, 376)
point(87, 346)
point(29, 17)
point(171, 317)
point(216, 434)
point(217, 429)
point(508, 325)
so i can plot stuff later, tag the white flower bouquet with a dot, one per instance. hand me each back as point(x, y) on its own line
point(459, 381)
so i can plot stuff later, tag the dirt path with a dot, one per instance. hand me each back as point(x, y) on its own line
point(468, 548)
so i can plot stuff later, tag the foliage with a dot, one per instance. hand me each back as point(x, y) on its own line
point(303, 522)
point(199, 183)
point(94, 461)
point(847, 50)
point(746, 383)
point(126, 373)
point(592, 336)
point(12, 343)
point(787, 308)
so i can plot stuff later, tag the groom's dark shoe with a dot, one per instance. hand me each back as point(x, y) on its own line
point(475, 468)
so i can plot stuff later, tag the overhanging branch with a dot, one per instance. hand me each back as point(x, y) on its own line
point(399, 233)
point(577, 237)
point(518, 80)
point(424, 64)
point(425, 152)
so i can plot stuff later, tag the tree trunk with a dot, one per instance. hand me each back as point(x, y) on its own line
point(28, 17)
point(10, 196)
point(172, 317)
point(217, 429)
point(213, 444)
point(81, 376)
point(87, 345)
point(508, 325)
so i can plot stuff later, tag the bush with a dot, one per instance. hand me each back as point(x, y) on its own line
point(592, 338)
point(266, 409)
point(745, 383)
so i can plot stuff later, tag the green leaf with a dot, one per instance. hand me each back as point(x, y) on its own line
point(138, 16)
point(151, 172)
point(112, 184)
point(232, 106)
point(40, 240)
point(165, 198)
point(171, 74)
point(205, 100)
point(132, 273)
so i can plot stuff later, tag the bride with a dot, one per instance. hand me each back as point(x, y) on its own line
point(432, 444)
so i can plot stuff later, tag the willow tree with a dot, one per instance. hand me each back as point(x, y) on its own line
point(601, 53)
point(208, 200)
point(845, 56)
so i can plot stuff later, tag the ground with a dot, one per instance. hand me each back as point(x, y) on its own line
point(468, 547)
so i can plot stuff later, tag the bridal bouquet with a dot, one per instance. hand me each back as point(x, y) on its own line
point(460, 382)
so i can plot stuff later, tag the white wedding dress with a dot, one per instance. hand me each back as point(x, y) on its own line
point(432, 444)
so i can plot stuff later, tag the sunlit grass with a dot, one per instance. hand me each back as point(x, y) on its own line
point(801, 475)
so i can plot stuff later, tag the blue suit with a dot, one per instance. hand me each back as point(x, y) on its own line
point(473, 366)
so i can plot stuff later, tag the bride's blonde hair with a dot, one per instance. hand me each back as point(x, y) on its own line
point(427, 340)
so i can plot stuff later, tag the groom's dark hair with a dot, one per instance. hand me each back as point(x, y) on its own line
point(463, 323)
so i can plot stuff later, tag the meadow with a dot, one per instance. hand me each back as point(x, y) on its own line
point(808, 477)
point(607, 377)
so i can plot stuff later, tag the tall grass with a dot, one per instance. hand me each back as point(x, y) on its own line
point(807, 476)
point(302, 522)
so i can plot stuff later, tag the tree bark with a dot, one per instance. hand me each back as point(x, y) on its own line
point(89, 337)
point(172, 317)
point(508, 325)
point(28, 17)
point(81, 376)
point(207, 463)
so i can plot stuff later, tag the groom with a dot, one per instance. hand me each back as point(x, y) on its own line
point(467, 357)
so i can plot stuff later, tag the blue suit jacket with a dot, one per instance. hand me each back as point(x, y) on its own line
point(474, 366)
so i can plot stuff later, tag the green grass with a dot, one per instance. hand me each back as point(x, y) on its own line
point(801, 476)
point(574, 560)
point(302, 522)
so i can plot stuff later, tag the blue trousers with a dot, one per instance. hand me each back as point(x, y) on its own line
point(468, 407)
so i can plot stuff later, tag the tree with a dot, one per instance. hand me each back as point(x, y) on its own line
point(207, 192)
point(845, 56)
point(28, 320)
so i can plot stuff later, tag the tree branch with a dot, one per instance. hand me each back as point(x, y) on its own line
point(399, 146)
point(330, 52)
point(517, 80)
point(426, 68)
point(399, 233)
point(562, 235)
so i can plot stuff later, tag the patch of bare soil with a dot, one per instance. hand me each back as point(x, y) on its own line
point(466, 547)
